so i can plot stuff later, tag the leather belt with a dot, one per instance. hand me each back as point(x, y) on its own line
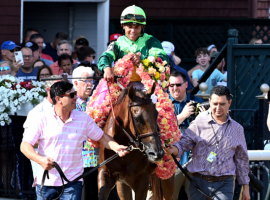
point(211, 178)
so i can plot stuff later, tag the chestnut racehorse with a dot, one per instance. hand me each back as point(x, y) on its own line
point(136, 113)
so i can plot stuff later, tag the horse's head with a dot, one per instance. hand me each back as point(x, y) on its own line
point(143, 122)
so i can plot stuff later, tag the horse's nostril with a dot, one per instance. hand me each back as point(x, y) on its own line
point(152, 154)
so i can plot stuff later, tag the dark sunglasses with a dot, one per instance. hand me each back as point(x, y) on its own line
point(13, 50)
point(137, 18)
point(71, 95)
point(4, 68)
point(176, 84)
point(93, 57)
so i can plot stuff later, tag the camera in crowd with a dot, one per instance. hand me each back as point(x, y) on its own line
point(197, 108)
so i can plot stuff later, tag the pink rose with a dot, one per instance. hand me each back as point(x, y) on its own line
point(162, 76)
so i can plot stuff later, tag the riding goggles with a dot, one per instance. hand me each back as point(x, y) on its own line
point(71, 95)
point(4, 68)
point(131, 17)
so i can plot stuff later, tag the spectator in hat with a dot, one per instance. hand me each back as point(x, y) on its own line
point(114, 37)
point(63, 47)
point(80, 42)
point(38, 38)
point(212, 48)
point(85, 54)
point(7, 50)
point(36, 52)
point(26, 72)
point(50, 48)
point(169, 49)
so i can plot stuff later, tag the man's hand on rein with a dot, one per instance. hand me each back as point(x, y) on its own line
point(46, 163)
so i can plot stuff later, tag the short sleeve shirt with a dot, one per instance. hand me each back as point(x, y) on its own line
point(27, 76)
point(62, 142)
point(215, 77)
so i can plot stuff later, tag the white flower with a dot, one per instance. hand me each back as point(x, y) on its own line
point(151, 59)
point(15, 102)
point(2, 108)
point(8, 85)
point(18, 86)
point(161, 69)
point(2, 123)
point(23, 90)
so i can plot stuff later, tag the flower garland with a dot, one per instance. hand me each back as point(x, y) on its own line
point(169, 131)
point(98, 107)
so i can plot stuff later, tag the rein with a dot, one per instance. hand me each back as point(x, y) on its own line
point(63, 177)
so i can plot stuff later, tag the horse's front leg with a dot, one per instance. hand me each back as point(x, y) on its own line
point(105, 184)
point(124, 191)
point(141, 187)
point(168, 188)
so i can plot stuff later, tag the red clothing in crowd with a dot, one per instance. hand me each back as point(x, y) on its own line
point(45, 56)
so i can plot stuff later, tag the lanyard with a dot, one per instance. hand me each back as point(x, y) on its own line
point(217, 141)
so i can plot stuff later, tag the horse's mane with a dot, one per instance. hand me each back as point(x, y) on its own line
point(124, 94)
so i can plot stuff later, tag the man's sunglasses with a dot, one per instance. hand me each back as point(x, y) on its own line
point(71, 95)
point(176, 84)
point(4, 68)
point(137, 18)
point(15, 49)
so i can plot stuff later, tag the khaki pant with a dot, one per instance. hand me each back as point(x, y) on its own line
point(179, 181)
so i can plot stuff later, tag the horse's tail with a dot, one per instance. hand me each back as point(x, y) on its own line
point(156, 187)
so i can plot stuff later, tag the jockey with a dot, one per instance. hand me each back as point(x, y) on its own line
point(133, 21)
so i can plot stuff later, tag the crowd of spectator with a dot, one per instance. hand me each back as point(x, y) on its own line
point(56, 59)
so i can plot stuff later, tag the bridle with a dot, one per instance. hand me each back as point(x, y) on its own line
point(138, 136)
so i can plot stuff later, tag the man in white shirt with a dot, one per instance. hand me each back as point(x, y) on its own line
point(44, 105)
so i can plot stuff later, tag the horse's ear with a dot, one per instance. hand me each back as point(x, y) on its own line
point(150, 91)
point(132, 93)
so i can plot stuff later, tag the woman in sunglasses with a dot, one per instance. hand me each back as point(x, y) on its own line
point(5, 68)
point(133, 21)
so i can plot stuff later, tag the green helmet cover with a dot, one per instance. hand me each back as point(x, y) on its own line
point(135, 10)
